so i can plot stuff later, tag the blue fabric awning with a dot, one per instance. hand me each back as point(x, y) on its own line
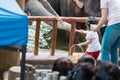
point(13, 24)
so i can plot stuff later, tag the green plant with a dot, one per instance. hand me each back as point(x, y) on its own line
point(45, 36)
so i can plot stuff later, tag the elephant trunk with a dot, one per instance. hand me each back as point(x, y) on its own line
point(37, 9)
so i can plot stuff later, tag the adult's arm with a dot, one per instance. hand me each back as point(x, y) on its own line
point(103, 19)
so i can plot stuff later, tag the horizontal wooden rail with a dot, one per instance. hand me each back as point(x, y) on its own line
point(72, 20)
point(52, 18)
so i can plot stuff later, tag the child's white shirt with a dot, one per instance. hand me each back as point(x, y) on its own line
point(95, 44)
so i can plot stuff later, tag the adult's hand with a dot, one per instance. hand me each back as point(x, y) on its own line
point(96, 29)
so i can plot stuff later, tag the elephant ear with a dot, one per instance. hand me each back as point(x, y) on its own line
point(79, 3)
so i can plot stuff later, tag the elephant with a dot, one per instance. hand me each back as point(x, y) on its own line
point(60, 6)
point(40, 8)
point(68, 8)
point(76, 8)
point(83, 8)
point(71, 8)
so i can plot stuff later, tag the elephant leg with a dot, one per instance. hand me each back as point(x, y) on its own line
point(63, 7)
point(77, 35)
point(77, 38)
point(67, 35)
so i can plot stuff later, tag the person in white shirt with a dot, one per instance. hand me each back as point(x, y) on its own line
point(92, 38)
point(110, 10)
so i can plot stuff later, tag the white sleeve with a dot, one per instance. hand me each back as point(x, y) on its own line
point(89, 35)
point(103, 3)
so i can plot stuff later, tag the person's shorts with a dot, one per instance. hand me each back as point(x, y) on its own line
point(93, 54)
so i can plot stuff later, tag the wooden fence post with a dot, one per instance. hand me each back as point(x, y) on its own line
point(54, 34)
point(72, 35)
point(36, 46)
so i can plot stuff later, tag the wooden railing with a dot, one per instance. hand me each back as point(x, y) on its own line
point(72, 20)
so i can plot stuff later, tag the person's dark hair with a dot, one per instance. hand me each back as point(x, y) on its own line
point(91, 20)
point(84, 71)
point(87, 58)
point(107, 71)
point(62, 65)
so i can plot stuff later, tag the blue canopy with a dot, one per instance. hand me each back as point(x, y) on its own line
point(13, 24)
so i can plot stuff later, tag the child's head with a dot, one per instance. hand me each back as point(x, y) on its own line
point(107, 71)
point(91, 22)
point(85, 71)
point(62, 65)
point(87, 58)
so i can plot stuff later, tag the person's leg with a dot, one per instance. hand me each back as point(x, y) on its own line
point(114, 51)
point(116, 45)
point(110, 37)
point(108, 40)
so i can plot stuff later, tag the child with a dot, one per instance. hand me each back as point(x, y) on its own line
point(92, 39)
point(83, 71)
point(87, 59)
point(63, 65)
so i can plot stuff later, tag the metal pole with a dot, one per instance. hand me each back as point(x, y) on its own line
point(23, 62)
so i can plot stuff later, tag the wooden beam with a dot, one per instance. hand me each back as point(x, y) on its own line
point(67, 19)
